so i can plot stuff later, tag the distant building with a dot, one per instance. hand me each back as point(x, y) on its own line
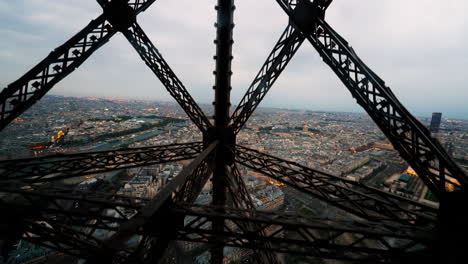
point(435, 122)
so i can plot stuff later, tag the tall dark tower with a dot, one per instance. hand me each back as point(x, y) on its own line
point(435, 122)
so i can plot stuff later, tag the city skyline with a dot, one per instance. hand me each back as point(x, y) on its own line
point(107, 168)
point(292, 108)
point(425, 71)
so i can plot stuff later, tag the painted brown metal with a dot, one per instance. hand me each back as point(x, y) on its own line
point(393, 228)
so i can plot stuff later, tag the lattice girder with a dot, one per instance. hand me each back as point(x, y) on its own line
point(64, 166)
point(394, 227)
point(297, 234)
point(411, 138)
point(354, 197)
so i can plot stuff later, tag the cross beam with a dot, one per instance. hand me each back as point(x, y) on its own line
point(393, 227)
point(411, 138)
point(64, 166)
point(297, 234)
point(119, 15)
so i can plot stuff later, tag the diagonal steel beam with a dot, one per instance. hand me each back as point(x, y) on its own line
point(189, 192)
point(289, 42)
point(62, 166)
point(153, 220)
point(280, 56)
point(354, 197)
point(60, 238)
point(137, 5)
point(239, 195)
point(71, 221)
point(154, 60)
point(222, 102)
point(298, 234)
point(32, 86)
point(409, 136)
point(241, 199)
point(155, 247)
point(27, 90)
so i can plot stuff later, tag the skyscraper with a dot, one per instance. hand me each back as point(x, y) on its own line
point(435, 122)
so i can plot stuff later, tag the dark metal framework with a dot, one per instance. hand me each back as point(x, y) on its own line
point(98, 226)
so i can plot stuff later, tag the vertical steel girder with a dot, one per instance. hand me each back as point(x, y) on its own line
point(280, 56)
point(137, 5)
point(31, 87)
point(189, 192)
point(354, 197)
point(27, 90)
point(411, 138)
point(297, 234)
point(185, 194)
point(63, 166)
point(73, 221)
point(224, 40)
point(154, 60)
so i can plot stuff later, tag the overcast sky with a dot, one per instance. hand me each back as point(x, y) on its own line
point(419, 47)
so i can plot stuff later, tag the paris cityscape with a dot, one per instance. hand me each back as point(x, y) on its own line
point(348, 145)
point(97, 166)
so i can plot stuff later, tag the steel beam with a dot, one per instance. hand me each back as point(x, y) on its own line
point(76, 207)
point(137, 5)
point(154, 60)
point(224, 40)
point(153, 219)
point(63, 166)
point(158, 240)
point(71, 221)
point(98, 226)
point(320, 5)
point(280, 56)
point(297, 234)
point(354, 197)
point(21, 94)
point(31, 87)
point(240, 198)
point(409, 136)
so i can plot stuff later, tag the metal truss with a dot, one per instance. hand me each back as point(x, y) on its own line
point(324, 238)
point(64, 166)
point(154, 219)
point(27, 90)
point(354, 197)
point(119, 15)
point(109, 228)
point(241, 199)
point(88, 217)
point(69, 221)
point(411, 138)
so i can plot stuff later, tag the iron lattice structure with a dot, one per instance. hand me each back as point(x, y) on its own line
point(383, 227)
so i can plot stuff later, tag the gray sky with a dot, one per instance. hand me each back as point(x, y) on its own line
point(418, 47)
